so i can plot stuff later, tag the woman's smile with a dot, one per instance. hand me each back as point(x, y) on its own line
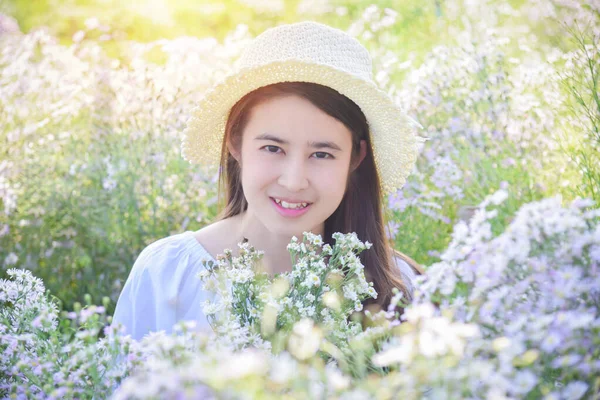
point(292, 211)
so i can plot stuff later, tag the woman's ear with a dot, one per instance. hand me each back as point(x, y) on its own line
point(362, 154)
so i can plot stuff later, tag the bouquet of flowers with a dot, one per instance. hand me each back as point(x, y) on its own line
point(326, 286)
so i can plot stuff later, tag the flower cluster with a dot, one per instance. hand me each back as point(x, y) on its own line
point(327, 285)
point(485, 92)
point(41, 358)
point(509, 313)
point(532, 290)
point(505, 314)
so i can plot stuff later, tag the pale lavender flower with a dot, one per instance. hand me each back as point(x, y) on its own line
point(551, 342)
point(11, 259)
point(566, 361)
point(8, 25)
point(392, 229)
point(524, 382)
point(575, 390)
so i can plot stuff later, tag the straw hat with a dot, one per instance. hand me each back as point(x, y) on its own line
point(308, 52)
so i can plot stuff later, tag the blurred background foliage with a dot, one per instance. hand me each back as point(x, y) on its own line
point(419, 25)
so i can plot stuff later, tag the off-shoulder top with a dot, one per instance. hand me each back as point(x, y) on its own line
point(162, 288)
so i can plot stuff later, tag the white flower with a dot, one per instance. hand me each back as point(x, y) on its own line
point(210, 308)
point(336, 380)
point(418, 311)
point(358, 306)
point(312, 280)
point(286, 301)
point(372, 292)
point(247, 362)
point(431, 345)
point(303, 248)
point(211, 285)
point(305, 339)
point(283, 368)
point(203, 274)
point(403, 353)
point(302, 264)
point(332, 300)
point(498, 197)
point(349, 293)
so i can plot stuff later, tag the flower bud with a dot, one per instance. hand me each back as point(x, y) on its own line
point(332, 300)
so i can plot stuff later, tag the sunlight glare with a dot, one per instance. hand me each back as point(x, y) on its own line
point(158, 11)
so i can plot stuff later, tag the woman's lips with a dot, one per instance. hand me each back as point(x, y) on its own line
point(287, 212)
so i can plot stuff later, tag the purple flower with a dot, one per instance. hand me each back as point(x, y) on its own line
point(566, 361)
point(398, 202)
point(575, 390)
point(551, 342)
point(595, 254)
point(59, 393)
point(392, 229)
point(524, 382)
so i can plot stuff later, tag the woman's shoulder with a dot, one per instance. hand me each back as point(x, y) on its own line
point(181, 249)
point(162, 288)
point(408, 268)
point(406, 264)
point(405, 269)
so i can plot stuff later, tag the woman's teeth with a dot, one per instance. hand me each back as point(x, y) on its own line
point(285, 204)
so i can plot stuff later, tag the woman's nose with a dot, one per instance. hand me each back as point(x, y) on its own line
point(293, 175)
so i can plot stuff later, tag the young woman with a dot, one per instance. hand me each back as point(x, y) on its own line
point(306, 142)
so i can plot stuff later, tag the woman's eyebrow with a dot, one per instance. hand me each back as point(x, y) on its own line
point(314, 145)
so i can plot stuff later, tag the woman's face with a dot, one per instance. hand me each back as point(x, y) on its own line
point(293, 150)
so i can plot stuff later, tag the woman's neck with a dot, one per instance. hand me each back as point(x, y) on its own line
point(276, 257)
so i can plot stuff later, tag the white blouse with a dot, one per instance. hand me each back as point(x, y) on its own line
point(163, 288)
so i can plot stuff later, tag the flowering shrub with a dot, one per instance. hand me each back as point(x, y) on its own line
point(533, 290)
point(509, 314)
point(45, 356)
point(517, 315)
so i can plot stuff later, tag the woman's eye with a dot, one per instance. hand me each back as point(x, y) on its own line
point(326, 155)
point(323, 157)
point(275, 147)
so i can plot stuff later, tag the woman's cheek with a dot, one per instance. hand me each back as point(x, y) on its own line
point(257, 160)
point(263, 168)
point(327, 181)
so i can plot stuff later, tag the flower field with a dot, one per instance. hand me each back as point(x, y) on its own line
point(501, 209)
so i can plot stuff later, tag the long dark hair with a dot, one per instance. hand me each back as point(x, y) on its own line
point(361, 208)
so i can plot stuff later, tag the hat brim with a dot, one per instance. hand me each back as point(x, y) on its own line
point(393, 133)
